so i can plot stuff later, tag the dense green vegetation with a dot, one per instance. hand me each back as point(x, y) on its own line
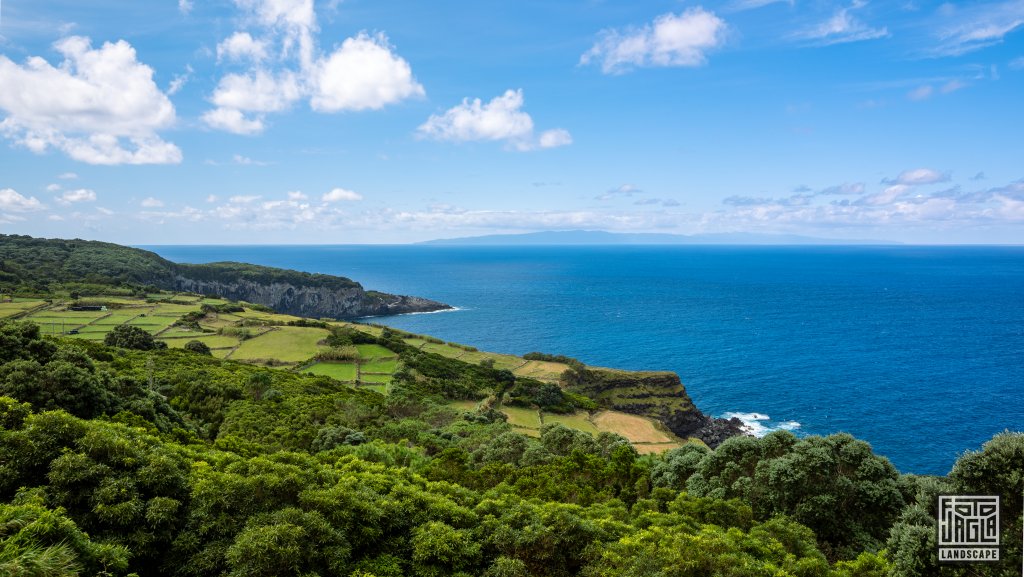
point(37, 264)
point(118, 460)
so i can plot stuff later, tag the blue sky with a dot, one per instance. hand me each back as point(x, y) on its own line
point(293, 121)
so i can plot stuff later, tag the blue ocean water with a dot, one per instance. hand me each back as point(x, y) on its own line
point(917, 350)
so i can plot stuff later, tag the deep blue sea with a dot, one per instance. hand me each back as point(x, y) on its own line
point(917, 350)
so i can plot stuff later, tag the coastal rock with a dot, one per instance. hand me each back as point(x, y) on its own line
point(656, 394)
point(344, 302)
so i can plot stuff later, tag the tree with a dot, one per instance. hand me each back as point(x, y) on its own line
point(199, 347)
point(132, 337)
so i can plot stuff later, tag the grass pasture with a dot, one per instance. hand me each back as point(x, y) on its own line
point(17, 307)
point(345, 372)
point(374, 352)
point(541, 370)
point(212, 341)
point(466, 405)
point(386, 367)
point(443, 350)
point(636, 429)
point(286, 344)
point(579, 420)
point(522, 418)
point(382, 389)
point(375, 379)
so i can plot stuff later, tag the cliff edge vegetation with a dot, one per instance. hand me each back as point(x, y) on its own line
point(84, 267)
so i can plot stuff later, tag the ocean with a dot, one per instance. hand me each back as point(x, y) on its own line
point(916, 350)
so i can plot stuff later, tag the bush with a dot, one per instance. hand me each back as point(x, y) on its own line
point(199, 347)
point(132, 337)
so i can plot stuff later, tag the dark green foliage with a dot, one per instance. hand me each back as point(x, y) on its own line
point(199, 347)
point(536, 356)
point(835, 485)
point(132, 337)
point(193, 467)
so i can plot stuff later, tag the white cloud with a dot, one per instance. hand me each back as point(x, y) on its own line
point(1017, 63)
point(246, 161)
point(976, 26)
point(500, 119)
point(340, 194)
point(88, 106)
point(212, 198)
point(67, 176)
point(12, 201)
point(739, 5)
point(79, 195)
point(554, 138)
point(151, 202)
point(180, 80)
point(919, 176)
point(843, 27)
point(231, 120)
point(952, 86)
point(364, 73)
point(185, 6)
point(921, 93)
point(671, 40)
point(243, 198)
point(242, 46)
point(53, 187)
point(297, 195)
point(286, 66)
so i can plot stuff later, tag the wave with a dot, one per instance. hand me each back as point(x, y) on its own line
point(760, 424)
point(450, 310)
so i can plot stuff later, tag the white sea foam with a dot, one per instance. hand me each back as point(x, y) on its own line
point(760, 424)
point(451, 310)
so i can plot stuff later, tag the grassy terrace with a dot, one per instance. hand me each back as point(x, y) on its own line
point(258, 337)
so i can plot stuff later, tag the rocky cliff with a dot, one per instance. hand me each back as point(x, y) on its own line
point(39, 263)
point(309, 301)
point(656, 394)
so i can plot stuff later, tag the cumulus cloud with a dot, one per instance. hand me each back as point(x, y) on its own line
point(67, 176)
point(242, 46)
point(842, 27)
point(12, 201)
point(501, 119)
point(185, 6)
point(285, 65)
point(671, 40)
point(99, 106)
point(297, 195)
point(364, 73)
point(919, 176)
point(340, 195)
point(79, 195)
point(151, 202)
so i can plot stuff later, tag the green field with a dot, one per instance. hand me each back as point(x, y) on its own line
point(381, 379)
point(340, 371)
point(465, 405)
point(382, 389)
point(212, 341)
point(374, 352)
point(520, 417)
point(443, 350)
point(579, 421)
point(386, 367)
point(542, 370)
point(8, 309)
point(287, 344)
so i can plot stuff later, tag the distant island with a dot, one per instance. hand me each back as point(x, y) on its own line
point(600, 237)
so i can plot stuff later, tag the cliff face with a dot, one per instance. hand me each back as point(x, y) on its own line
point(660, 395)
point(309, 301)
